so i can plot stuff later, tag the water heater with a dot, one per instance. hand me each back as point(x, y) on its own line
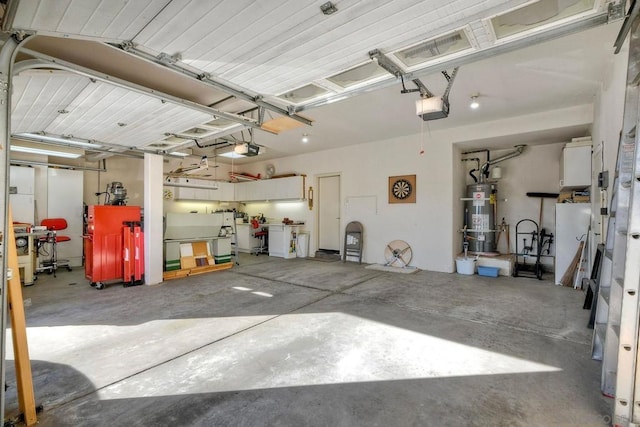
point(480, 217)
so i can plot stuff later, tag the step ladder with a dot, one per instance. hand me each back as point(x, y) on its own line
point(615, 338)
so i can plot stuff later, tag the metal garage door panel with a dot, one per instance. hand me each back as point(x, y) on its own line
point(272, 47)
point(115, 115)
point(110, 19)
point(38, 96)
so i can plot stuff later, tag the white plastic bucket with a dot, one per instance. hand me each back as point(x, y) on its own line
point(466, 266)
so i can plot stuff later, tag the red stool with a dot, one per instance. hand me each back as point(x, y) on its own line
point(53, 226)
point(261, 235)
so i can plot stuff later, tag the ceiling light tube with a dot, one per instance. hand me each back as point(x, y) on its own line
point(56, 139)
point(42, 151)
point(232, 155)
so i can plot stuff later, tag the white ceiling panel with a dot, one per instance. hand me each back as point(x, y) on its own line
point(63, 103)
point(109, 19)
point(115, 115)
point(38, 96)
point(169, 118)
point(273, 46)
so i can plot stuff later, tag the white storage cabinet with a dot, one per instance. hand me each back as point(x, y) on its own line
point(282, 240)
point(575, 166)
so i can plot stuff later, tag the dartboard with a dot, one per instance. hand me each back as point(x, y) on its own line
point(401, 189)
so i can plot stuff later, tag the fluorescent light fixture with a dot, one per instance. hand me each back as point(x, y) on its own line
point(232, 155)
point(55, 139)
point(42, 151)
point(183, 153)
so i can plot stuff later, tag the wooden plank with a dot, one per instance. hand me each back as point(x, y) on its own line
point(281, 124)
point(210, 268)
point(200, 249)
point(24, 377)
point(187, 262)
point(175, 274)
point(582, 267)
point(567, 278)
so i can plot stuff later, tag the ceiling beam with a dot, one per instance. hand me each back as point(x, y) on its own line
point(171, 63)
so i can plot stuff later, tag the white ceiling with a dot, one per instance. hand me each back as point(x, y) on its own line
point(272, 47)
point(550, 76)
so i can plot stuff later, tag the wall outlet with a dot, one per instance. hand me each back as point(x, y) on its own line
point(603, 179)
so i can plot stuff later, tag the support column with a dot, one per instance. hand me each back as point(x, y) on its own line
point(153, 200)
point(7, 57)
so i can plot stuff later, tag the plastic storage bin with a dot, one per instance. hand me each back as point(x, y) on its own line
point(302, 246)
point(466, 266)
point(488, 271)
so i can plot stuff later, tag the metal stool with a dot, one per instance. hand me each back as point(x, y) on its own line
point(52, 238)
point(261, 235)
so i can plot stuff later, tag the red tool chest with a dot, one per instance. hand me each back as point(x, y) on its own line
point(113, 245)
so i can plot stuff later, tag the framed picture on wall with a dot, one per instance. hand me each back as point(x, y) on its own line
point(402, 189)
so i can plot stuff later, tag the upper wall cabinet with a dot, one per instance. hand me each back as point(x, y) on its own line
point(289, 188)
point(225, 192)
point(575, 167)
point(206, 190)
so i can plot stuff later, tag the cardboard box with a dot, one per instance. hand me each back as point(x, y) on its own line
point(581, 199)
point(187, 262)
point(200, 249)
point(565, 195)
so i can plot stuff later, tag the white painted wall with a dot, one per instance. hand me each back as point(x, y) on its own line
point(607, 124)
point(431, 226)
point(537, 170)
point(129, 171)
point(365, 169)
point(459, 189)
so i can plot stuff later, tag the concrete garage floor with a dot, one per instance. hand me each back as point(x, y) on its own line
point(301, 342)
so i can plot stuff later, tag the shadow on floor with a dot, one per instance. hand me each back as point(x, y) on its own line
point(345, 325)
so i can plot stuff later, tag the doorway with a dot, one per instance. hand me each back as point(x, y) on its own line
point(329, 214)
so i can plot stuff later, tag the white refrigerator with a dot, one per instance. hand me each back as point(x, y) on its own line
point(572, 226)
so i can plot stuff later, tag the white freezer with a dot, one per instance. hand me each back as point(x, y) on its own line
point(22, 208)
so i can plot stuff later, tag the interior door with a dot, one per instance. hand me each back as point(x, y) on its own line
point(329, 213)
